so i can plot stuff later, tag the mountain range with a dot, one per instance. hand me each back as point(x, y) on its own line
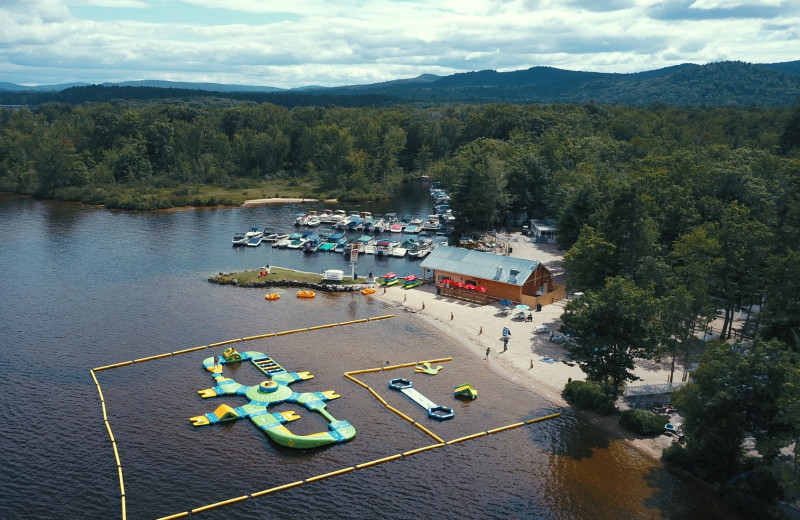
point(728, 83)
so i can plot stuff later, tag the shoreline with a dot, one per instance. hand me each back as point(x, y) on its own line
point(278, 200)
point(531, 360)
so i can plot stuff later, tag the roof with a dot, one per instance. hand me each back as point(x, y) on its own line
point(489, 266)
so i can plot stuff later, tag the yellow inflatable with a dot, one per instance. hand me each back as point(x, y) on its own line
point(273, 296)
point(368, 290)
point(306, 294)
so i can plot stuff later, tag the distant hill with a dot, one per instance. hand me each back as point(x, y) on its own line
point(729, 83)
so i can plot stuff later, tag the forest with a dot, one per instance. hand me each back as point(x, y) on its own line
point(669, 216)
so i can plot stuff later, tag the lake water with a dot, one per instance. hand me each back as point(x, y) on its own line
point(85, 287)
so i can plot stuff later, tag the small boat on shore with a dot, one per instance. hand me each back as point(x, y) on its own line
point(305, 293)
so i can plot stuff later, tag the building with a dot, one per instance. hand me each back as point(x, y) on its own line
point(543, 231)
point(485, 277)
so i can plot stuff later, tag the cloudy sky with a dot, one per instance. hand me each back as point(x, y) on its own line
point(344, 42)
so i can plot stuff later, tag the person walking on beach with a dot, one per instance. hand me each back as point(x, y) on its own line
point(505, 343)
point(487, 352)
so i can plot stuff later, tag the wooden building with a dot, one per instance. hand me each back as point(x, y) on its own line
point(503, 277)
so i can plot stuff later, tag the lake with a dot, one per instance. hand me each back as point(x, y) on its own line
point(86, 287)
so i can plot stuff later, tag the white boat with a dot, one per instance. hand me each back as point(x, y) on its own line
point(283, 243)
point(296, 243)
point(313, 221)
point(254, 232)
point(255, 241)
point(432, 224)
point(396, 228)
point(240, 239)
point(399, 252)
point(300, 219)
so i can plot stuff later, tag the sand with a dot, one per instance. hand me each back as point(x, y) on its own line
point(478, 327)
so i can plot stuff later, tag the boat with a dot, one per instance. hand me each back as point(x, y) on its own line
point(379, 226)
point(370, 249)
point(412, 229)
point(432, 224)
point(305, 293)
point(368, 290)
point(382, 248)
point(387, 278)
point(327, 217)
point(239, 239)
point(411, 281)
point(390, 218)
point(300, 219)
point(399, 252)
point(283, 243)
point(313, 221)
point(254, 232)
point(311, 244)
point(396, 228)
point(333, 275)
point(296, 241)
point(272, 297)
point(327, 246)
point(254, 241)
point(341, 244)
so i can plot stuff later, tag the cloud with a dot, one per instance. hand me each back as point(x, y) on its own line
point(320, 42)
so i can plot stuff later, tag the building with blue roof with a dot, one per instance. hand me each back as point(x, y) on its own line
point(503, 277)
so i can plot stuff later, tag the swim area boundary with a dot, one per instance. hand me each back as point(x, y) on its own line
point(349, 375)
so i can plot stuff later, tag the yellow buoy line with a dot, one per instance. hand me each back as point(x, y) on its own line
point(186, 351)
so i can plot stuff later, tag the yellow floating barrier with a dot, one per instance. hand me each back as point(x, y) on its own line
point(543, 418)
point(324, 326)
point(404, 365)
point(94, 378)
point(218, 504)
point(398, 412)
point(467, 438)
point(278, 488)
point(100, 392)
point(110, 435)
point(291, 332)
point(184, 351)
point(224, 342)
point(428, 432)
point(331, 474)
point(381, 317)
point(377, 396)
point(504, 428)
point(103, 406)
point(436, 360)
point(115, 365)
point(121, 483)
point(356, 381)
point(141, 360)
point(260, 336)
point(420, 450)
point(173, 517)
point(124, 517)
point(116, 454)
point(365, 371)
point(353, 321)
point(379, 461)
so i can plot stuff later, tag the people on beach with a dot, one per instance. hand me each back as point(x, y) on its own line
point(488, 349)
point(505, 343)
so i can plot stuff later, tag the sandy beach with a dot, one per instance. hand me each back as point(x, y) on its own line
point(531, 360)
point(256, 202)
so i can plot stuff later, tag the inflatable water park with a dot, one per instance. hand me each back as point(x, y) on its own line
point(273, 391)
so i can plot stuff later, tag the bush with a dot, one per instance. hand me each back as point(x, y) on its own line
point(643, 422)
point(588, 396)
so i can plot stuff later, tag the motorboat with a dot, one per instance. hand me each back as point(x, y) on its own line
point(382, 248)
point(311, 244)
point(313, 221)
point(396, 228)
point(370, 249)
point(254, 232)
point(283, 243)
point(240, 239)
point(300, 219)
point(412, 229)
point(399, 252)
point(432, 224)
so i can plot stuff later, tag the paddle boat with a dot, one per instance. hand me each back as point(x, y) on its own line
point(465, 390)
point(435, 411)
point(368, 290)
point(272, 297)
point(304, 293)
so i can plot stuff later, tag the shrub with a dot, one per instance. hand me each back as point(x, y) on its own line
point(643, 422)
point(589, 396)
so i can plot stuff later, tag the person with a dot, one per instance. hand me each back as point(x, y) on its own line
point(530, 317)
point(505, 343)
point(216, 362)
point(551, 335)
point(487, 352)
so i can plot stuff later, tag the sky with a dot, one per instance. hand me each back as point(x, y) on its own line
point(300, 43)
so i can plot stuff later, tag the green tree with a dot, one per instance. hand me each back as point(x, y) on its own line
point(590, 261)
point(611, 328)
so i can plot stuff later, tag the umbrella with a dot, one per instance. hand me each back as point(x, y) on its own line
point(469, 286)
point(523, 307)
point(458, 284)
point(505, 302)
point(446, 281)
point(482, 288)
